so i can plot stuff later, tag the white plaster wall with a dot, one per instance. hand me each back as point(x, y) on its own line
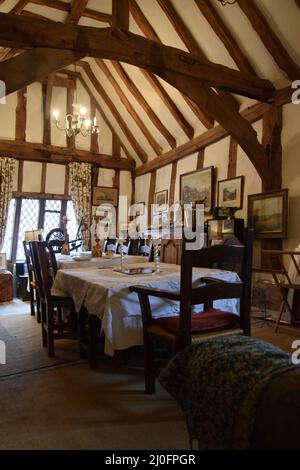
point(32, 172)
point(8, 117)
point(291, 169)
point(105, 177)
point(55, 179)
point(142, 184)
point(216, 155)
point(34, 120)
point(163, 178)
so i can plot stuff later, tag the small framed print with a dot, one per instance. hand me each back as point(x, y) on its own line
point(161, 201)
point(230, 192)
point(104, 195)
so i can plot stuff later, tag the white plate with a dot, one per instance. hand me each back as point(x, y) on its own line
point(81, 258)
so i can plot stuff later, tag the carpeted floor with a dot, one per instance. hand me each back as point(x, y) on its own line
point(63, 404)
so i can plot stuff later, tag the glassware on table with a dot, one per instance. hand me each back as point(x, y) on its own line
point(156, 242)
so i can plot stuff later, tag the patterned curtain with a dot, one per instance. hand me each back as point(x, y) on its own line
point(80, 187)
point(7, 168)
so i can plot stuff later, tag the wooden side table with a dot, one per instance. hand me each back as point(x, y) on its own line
point(6, 286)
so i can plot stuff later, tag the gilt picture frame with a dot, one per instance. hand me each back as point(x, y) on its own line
point(105, 195)
point(268, 214)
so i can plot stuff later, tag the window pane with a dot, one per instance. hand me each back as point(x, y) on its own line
point(52, 220)
point(53, 205)
point(72, 224)
point(9, 229)
point(28, 221)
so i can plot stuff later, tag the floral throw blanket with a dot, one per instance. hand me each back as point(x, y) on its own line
point(218, 383)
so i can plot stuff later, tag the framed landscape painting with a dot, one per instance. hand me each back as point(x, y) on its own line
point(196, 187)
point(230, 192)
point(268, 214)
point(104, 195)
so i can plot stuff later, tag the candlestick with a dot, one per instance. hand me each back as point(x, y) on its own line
point(156, 256)
point(97, 250)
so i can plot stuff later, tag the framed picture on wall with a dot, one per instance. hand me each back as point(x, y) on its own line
point(230, 192)
point(196, 187)
point(161, 200)
point(103, 195)
point(268, 214)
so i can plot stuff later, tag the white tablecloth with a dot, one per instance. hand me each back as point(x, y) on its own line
point(67, 262)
point(105, 293)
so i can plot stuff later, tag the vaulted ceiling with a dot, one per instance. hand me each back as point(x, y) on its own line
point(147, 114)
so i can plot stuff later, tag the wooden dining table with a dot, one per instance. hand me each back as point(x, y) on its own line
point(73, 262)
point(105, 293)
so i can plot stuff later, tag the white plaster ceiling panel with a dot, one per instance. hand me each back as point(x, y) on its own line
point(249, 41)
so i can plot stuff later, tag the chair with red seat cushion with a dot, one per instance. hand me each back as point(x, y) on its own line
point(177, 331)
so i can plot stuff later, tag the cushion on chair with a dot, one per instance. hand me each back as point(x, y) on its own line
point(209, 320)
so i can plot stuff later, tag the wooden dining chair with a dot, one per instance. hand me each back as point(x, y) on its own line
point(54, 326)
point(111, 245)
point(31, 280)
point(133, 246)
point(146, 249)
point(176, 332)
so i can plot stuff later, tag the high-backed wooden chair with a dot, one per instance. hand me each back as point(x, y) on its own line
point(34, 303)
point(170, 251)
point(177, 331)
point(111, 245)
point(54, 326)
point(133, 246)
point(146, 249)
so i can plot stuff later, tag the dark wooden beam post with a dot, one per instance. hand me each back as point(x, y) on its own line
point(200, 159)
point(151, 195)
point(232, 160)
point(47, 98)
point(94, 137)
point(116, 151)
point(120, 14)
point(21, 115)
point(272, 128)
point(172, 189)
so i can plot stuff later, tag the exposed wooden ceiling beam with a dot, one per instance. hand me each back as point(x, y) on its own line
point(128, 47)
point(88, 12)
point(120, 14)
point(252, 114)
point(19, 7)
point(224, 33)
point(51, 153)
point(144, 104)
point(32, 65)
point(191, 44)
point(270, 39)
point(297, 3)
point(149, 33)
point(99, 109)
point(130, 109)
point(77, 9)
point(130, 137)
point(229, 118)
